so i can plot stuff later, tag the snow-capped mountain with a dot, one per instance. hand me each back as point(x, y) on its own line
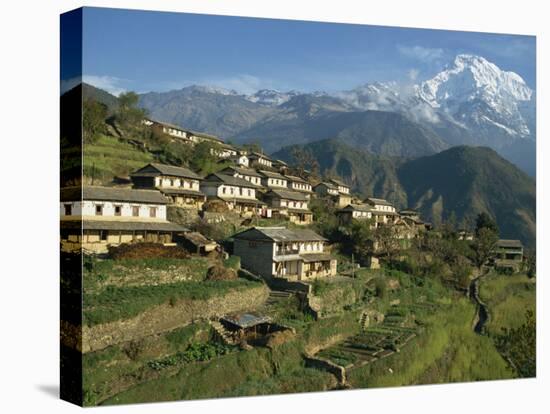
point(478, 94)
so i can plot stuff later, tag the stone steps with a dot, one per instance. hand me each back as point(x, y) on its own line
point(222, 333)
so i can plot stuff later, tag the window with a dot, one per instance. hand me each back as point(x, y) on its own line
point(118, 210)
point(152, 212)
point(99, 209)
point(223, 190)
point(171, 183)
point(250, 193)
point(232, 190)
point(135, 211)
point(104, 234)
point(68, 209)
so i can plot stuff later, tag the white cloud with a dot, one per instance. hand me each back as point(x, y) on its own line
point(425, 54)
point(110, 84)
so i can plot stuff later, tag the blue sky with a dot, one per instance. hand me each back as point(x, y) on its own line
point(154, 51)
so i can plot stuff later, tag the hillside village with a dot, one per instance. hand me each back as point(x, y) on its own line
point(208, 250)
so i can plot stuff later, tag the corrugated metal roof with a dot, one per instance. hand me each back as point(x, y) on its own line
point(112, 194)
point(246, 320)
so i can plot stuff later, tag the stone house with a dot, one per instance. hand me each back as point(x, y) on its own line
point(93, 218)
point(278, 252)
point(183, 134)
point(240, 160)
point(179, 184)
point(332, 190)
point(289, 204)
point(238, 194)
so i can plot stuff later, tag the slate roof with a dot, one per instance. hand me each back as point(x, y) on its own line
point(243, 171)
point(330, 186)
point(182, 191)
point(510, 244)
point(295, 179)
point(338, 182)
point(279, 234)
point(229, 180)
point(287, 195)
point(112, 194)
point(379, 201)
point(164, 169)
point(271, 174)
point(122, 225)
point(259, 155)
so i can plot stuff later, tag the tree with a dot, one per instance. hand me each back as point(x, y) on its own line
point(204, 158)
point(531, 263)
point(485, 221)
point(93, 120)
point(519, 346)
point(361, 237)
point(304, 160)
point(386, 241)
point(128, 112)
point(483, 246)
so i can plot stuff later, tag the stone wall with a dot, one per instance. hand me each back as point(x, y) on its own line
point(167, 317)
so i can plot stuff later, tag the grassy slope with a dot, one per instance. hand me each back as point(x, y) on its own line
point(449, 351)
point(508, 297)
point(111, 157)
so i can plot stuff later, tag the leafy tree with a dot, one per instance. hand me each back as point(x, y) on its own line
point(485, 221)
point(519, 346)
point(483, 246)
point(93, 120)
point(361, 238)
point(128, 112)
point(204, 158)
point(386, 241)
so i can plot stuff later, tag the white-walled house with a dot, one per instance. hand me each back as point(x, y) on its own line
point(248, 174)
point(354, 212)
point(382, 210)
point(278, 252)
point(333, 190)
point(259, 160)
point(273, 180)
point(238, 194)
point(342, 187)
point(95, 217)
point(179, 184)
point(290, 204)
point(296, 183)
